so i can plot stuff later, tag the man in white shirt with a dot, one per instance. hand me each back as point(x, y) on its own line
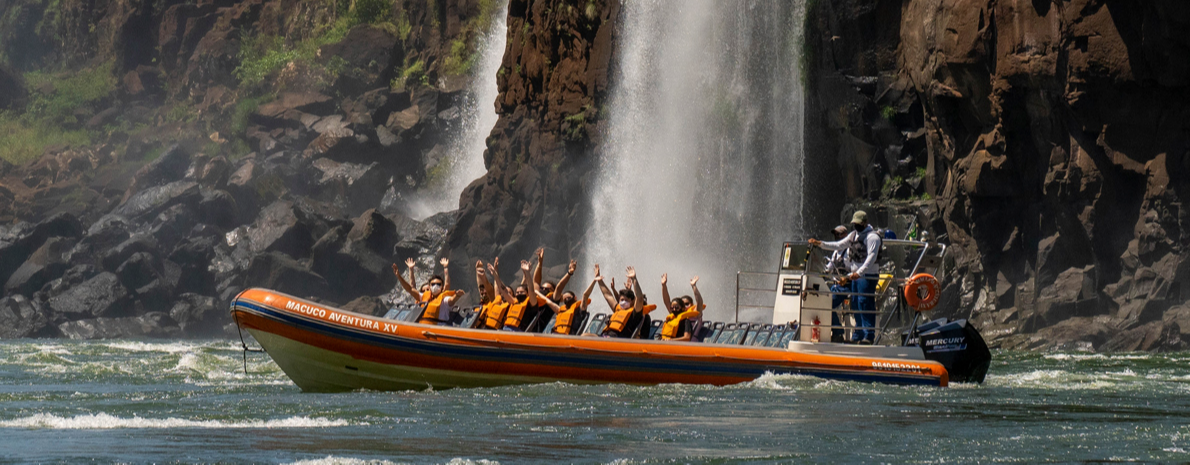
point(862, 246)
point(837, 265)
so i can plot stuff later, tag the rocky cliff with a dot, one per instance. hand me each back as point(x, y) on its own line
point(553, 84)
point(161, 156)
point(1047, 141)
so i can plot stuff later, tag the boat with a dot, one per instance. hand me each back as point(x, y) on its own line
point(327, 349)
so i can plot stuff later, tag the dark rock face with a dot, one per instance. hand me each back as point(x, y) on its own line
point(45, 264)
point(553, 81)
point(20, 317)
point(1052, 139)
point(102, 295)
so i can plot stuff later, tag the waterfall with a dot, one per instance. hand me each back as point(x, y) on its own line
point(464, 156)
point(701, 173)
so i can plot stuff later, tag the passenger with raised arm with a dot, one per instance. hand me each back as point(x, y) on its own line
point(684, 318)
point(862, 247)
point(496, 312)
point(518, 317)
point(439, 299)
point(572, 312)
point(407, 285)
point(487, 294)
point(627, 311)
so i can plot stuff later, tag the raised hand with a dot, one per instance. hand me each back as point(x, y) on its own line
point(410, 262)
point(612, 284)
point(460, 293)
point(479, 271)
point(597, 271)
point(540, 254)
point(631, 273)
point(492, 270)
point(694, 281)
point(573, 266)
point(525, 265)
point(445, 262)
point(396, 271)
point(496, 261)
point(479, 265)
point(664, 278)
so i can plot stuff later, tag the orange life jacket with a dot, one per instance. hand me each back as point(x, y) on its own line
point(494, 314)
point(565, 319)
point(673, 322)
point(516, 313)
point(430, 314)
point(620, 317)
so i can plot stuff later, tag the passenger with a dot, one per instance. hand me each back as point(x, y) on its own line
point(406, 284)
point(627, 312)
point(487, 294)
point(496, 312)
point(862, 247)
point(685, 314)
point(837, 265)
point(518, 317)
point(539, 315)
point(572, 312)
point(439, 299)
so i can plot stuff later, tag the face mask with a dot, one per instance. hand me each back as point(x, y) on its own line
point(435, 288)
point(568, 302)
point(859, 227)
point(521, 297)
point(624, 304)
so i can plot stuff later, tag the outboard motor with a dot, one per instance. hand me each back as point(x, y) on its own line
point(957, 345)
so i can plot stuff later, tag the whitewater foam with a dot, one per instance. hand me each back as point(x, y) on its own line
point(106, 421)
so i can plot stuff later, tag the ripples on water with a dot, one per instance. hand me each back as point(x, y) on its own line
point(132, 401)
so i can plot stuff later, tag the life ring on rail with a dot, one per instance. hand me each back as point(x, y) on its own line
point(913, 292)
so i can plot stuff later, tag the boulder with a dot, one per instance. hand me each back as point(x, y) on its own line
point(349, 184)
point(292, 227)
point(74, 276)
point(104, 234)
point(152, 201)
point(20, 317)
point(121, 252)
point(19, 242)
point(170, 166)
point(45, 264)
point(153, 324)
point(366, 305)
point(102, 295)
point(199, 315)
point(279, 272)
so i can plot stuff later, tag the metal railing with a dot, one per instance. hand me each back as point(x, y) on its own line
point(738, 288)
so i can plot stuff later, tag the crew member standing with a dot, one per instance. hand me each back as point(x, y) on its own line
point(837, 265)
point(862, 247)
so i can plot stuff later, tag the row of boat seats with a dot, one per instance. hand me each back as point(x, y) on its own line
point(748, 334)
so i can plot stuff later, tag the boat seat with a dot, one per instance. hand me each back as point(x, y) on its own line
point(750, 336)
point(468, 316)
point(790, 334)
point(702, 332)
point(775, 336)
point(655, 330)
point(731, 334)
point(761, 336)
point(598, 322)
point(582, 322)
point(716, 330)
point(549, 325)
point(403, 312)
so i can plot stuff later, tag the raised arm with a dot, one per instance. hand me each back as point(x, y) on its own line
point(665, 290)
point(481, 282)
point(607, 293)
point(445, 273)
point(587, 293)
point(405, 284)
point(548, 303)
point(561, 287)
point(411, 264)
point(532, 300)
point(499, 284)
point(640, 297)
point(697, 295)
point(540, 253)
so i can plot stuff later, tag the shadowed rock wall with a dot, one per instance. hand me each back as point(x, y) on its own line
point(1047, 141)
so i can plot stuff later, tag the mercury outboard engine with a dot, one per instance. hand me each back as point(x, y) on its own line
point(956, 345)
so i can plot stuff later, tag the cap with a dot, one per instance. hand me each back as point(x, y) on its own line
point(840, 230)
point(859, 217)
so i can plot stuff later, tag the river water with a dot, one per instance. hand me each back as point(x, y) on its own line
point(188, 401)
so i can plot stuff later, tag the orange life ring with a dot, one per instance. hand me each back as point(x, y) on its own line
point(913, 296)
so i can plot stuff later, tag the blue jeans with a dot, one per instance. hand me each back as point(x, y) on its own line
point(865, 285)
point(836, 302)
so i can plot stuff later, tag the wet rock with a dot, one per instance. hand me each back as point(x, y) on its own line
point(170, 166)
point(103, 235)
point(194, 256)
point(367, 305)
point(279, 272)
point(153, 324)
point(215, 172)
point(102, 295)
point(23, 239)
point(72, 277)
point(219, 208)
point(199, 315)
point(349, 184)
point(133, 245)
point(152, 201)
point(292, 227)
point(45, 264)
point(20, 318)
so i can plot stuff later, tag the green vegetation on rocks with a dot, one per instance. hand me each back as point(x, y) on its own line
point(52, 114)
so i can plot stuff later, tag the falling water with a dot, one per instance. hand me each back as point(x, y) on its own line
point(702, 171)
point(464, 157)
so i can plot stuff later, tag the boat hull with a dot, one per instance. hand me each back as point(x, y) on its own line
point(323, 349)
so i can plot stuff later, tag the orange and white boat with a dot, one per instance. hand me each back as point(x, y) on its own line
point(322, 348)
